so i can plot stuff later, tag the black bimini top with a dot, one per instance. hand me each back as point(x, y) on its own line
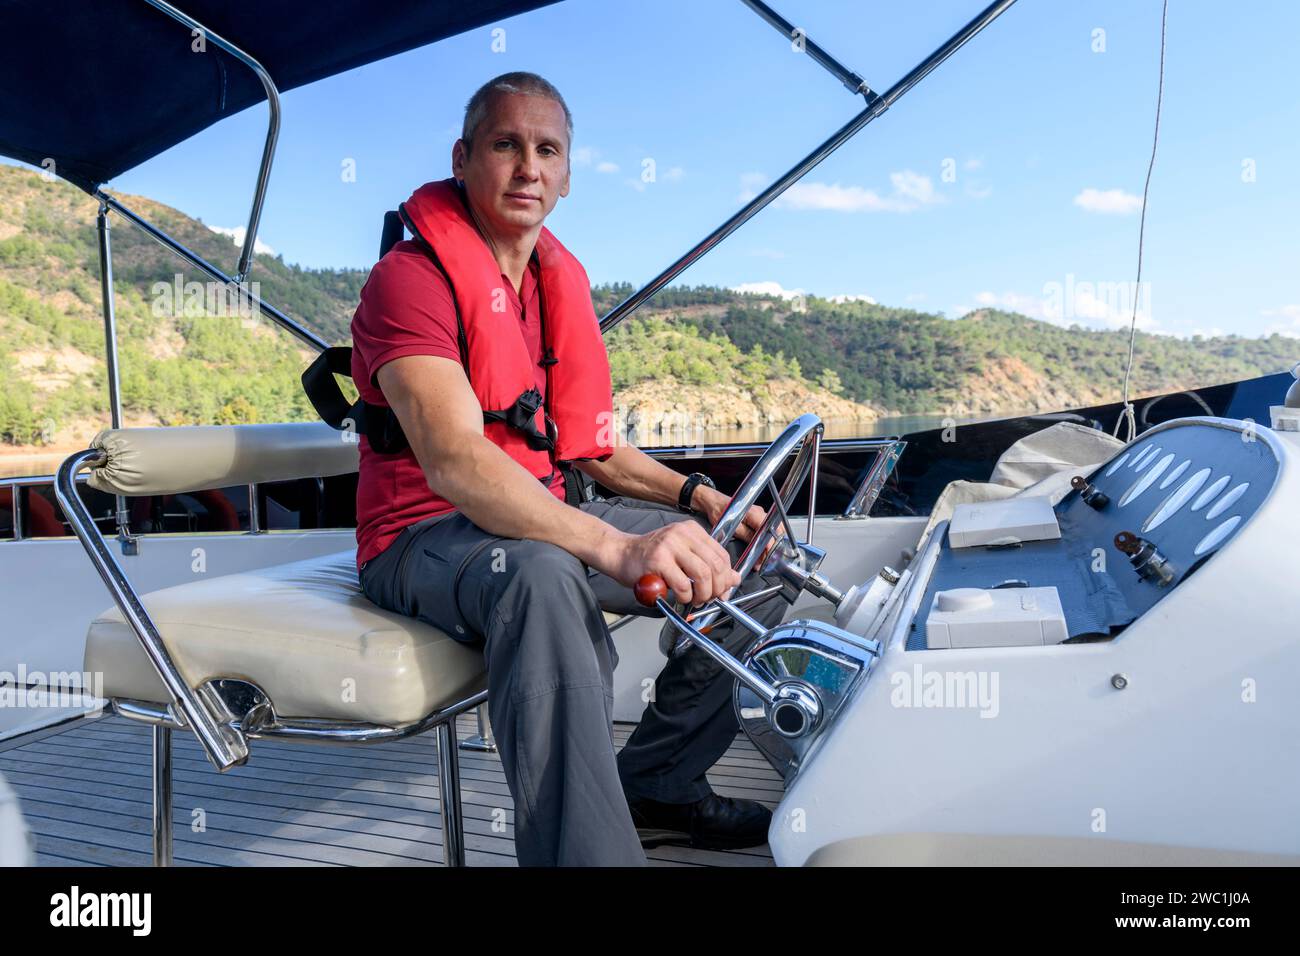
point(100, 86)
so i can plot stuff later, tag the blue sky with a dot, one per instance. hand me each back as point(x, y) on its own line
point(1048, 141)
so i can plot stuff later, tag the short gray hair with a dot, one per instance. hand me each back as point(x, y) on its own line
point(529, 84)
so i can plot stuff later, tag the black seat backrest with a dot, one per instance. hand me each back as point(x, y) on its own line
point(393, 232)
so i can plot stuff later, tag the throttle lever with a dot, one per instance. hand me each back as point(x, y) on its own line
point(650, 591)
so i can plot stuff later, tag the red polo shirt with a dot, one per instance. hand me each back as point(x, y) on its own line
point(406, 309)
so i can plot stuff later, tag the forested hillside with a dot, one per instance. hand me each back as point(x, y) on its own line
point(700, 351)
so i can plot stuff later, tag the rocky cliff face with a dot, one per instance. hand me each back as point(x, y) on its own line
point(664, 406)
point(1009, 383)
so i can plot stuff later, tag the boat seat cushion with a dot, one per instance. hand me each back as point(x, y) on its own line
point(303, 632)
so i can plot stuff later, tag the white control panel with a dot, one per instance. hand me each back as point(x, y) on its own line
point(1001, 617)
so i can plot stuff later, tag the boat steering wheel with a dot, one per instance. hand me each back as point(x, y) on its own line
point(787, 551)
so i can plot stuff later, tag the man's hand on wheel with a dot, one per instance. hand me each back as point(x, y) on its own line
point(712, 503)
point(694, 566)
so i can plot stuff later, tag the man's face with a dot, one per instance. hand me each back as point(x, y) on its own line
point(519, 167)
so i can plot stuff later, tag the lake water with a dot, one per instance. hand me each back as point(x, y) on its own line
point(896, 425)
point(48, 463)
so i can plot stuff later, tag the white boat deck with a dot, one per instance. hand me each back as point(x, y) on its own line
point(85, 793)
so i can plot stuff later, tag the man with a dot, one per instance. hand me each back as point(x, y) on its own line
point(462, 331)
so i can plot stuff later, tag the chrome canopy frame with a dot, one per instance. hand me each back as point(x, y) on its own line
point(875, 106)
point(272, 132)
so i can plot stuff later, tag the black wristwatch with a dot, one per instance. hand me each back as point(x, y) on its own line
point(688, 490)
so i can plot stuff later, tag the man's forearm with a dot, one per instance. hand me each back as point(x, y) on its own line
point(630, 471)
point(503, 498)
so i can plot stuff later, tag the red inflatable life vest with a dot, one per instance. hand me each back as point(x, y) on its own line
point(499, 368)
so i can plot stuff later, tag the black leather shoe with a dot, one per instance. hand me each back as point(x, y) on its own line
point(713, 823)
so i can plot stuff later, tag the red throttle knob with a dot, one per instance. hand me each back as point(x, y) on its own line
point(649, 588)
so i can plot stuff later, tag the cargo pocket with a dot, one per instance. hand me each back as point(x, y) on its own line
point(461, 629)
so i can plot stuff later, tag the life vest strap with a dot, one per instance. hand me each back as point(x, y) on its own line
point(377, 423)
point(522, 416)
point(380, 424)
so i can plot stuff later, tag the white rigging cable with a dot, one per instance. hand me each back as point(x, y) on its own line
point(1126, 413)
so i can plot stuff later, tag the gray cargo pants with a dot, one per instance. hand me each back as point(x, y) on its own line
point(536, 609)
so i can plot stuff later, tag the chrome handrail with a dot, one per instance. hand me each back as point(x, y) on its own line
point(14, 484)
point(887, 452)
point(757, 448)
point(873, 483)
point(671, 452)
point(225, 746)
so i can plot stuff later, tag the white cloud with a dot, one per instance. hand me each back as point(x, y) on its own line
point(911, 190)
point(1290, 314)
point(750, 184)
point(777, 290)
point(671, 175)
point(1115, 202)
point(767, 288)
point(914, 186)
point(236, 234)
point(587, 156)
point(824, 196)
point(973, 164)
point(1106, 305)
point(1008, 301)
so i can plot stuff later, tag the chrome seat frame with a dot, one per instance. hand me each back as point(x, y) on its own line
point(226, 714)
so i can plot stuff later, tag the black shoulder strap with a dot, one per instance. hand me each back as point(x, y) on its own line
point(378, 423)
point(323, 389)
point(392, 233)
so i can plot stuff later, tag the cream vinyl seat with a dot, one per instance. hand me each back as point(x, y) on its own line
point(325, 664)
point(302, 632)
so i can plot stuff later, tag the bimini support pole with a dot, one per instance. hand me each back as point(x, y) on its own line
point(837, 139)
point(852, 82)
point(305, 335)
point(259, 195)
point(272, 132)
point(129, 544)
